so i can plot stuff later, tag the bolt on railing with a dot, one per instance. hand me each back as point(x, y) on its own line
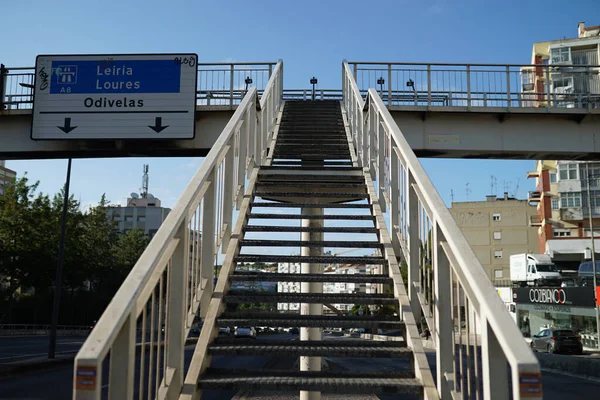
point(144, 329)
point(479, 349)
point(478, 86)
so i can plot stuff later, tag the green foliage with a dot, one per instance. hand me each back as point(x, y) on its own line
point(97, 257)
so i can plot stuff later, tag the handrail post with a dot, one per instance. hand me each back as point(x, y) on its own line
point(3, 77)
point(412, 208)
point(382, 142)
point(429, 86)
point(494, 364)
point(443, 314)
point(176, 323)
point(373, 122)
point(389, 86)
point(122, 357)
point(228, 191)
point(231, 83)
point(394, 198)
point(508, 95)
point(208, 243)
point(468, 87)
point(548, 96)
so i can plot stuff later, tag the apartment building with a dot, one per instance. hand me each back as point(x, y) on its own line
point(145, 213)
point(7, 177)
point(497, 228)
point(562, 74)
point(564, 206)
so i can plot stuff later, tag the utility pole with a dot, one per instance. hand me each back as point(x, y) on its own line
point(589, 201)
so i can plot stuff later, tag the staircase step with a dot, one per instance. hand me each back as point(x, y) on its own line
point(246, 318)
point(342, 167)
point(310, 259)
point(312, 184)
point(338, 178)
point(327, 229)
point(311, 216)
point(309, 205)
point(260, 193)
point(352, 348)
point(314, 166)
point(261, 381)
point(236, 296)
point(299, 243)
point(240, 276)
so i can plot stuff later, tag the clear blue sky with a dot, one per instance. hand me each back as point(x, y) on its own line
point(312, 37)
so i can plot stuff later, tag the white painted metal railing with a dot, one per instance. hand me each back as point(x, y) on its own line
point(480, 351)
point(480, 87)
point(136, 350)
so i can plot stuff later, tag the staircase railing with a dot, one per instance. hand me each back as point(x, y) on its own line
point(137, 346)
point(479, 349)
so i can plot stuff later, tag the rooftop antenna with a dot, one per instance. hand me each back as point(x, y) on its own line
point(144, 189)
point(493, 185)
point(506, 186)
point(452, 195)
point(467, 191)
point(516, 189)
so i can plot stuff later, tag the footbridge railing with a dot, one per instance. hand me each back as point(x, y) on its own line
point(480, 352)
point(137, 346)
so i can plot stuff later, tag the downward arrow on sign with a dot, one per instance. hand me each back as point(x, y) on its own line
point(158, 126)
point(67, 128)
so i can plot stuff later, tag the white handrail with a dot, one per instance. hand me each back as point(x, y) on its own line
point(424, 231)
point(172, 282)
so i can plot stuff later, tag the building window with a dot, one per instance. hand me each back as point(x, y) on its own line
point(496, 217)
point(117, 219)
point(587, 231)
point(567, 171)
point(552, 177)
point(142, 219)
point(560, 55)
point(497, 253)
point(497, 235)
point(498, 274)
point(555, 204)
point(570, 199)
point(129, 218)
point(561, 233)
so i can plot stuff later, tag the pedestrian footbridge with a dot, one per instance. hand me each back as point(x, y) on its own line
point(294, 173)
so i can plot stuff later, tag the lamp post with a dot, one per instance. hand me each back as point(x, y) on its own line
point(381, 82)
point(589, 201)
point(313, 82)
point(248, 81)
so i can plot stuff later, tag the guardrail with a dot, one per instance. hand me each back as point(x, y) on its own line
point(172, 282)
point(446, 282)
point(477, 86)
point(40, 329)
point(219, 84)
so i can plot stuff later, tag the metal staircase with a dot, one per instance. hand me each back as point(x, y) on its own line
point(311, 170)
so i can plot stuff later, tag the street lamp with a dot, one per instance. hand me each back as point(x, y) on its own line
point(411, 83)
point(313, 82)
point(381, 82)
point(589, 201)
point(248, 81)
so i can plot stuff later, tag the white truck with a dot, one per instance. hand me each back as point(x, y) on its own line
point(534, 269)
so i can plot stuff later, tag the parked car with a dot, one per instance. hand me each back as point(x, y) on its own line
point(245, 332)
point(557, 341)
point(225, 331)
point(294, 331)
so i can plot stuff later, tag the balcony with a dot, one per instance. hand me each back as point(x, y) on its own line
point(571, 214)
point(535, 220)
point(533, 174)
point(534, 197)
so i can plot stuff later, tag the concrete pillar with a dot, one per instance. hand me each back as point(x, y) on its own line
point(311, 363)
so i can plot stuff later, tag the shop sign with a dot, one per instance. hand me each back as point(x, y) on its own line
point(571, 296)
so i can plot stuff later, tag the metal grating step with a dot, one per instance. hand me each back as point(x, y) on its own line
point(243, 276)
point(310, 216)
point(309, 205)
point(255, 258)
point(238, 297)
point(300, 243)
point(339, 178)
point(315, 168)
point(347, 185)
point(260, 193)
point(309, 348)
point(362, 382)
point(246, 318)
point(325, 229)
